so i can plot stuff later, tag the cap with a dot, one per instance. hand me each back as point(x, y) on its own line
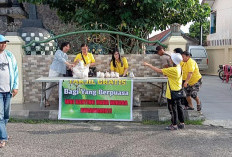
point(3, 39)
point(176, 58)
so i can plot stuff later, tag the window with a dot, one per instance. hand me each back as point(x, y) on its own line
point(198, 53)
point(213, 22)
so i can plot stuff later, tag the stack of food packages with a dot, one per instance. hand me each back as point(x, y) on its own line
point(107, 75)
point(80, 71)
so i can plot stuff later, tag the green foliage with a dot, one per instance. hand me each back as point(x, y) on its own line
point(139, 15)
point(194, 30)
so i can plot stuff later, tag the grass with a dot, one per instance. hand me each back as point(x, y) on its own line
point(145, 122)
point(32, 121)
point(187, 122)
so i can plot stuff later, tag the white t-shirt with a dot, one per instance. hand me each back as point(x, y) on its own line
point(4, 74)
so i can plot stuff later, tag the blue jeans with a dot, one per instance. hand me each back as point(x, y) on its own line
point(5, 103)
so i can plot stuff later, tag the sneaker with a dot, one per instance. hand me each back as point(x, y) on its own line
point(171, 127)
point(181, 126)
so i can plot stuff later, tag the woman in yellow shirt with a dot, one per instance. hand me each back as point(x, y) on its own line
point(174, 83)
point(119, 64)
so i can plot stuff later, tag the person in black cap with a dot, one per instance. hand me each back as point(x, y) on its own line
point(8, 87)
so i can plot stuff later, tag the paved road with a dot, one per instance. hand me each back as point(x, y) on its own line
point(114, 139)
point(216, 98)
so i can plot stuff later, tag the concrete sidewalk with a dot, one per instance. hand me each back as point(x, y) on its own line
point(216, 98)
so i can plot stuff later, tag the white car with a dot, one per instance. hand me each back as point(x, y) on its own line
point(199, 54)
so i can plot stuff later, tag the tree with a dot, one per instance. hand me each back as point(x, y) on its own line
point(194, 30)
point(141, 16)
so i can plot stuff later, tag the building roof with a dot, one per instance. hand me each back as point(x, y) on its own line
point(160, 36)
point(165, 34)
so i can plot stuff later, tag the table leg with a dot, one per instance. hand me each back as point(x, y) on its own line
point(43, 94)
point(161, 94)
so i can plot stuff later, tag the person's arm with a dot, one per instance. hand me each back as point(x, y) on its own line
point(153, 67)
point(60, 58)
point(77, 59)
point(187, 79)
point(165, 66)
point(16, 77)
point(92, 64)
point(190, 67)
point(125, 72)
point(126, 66)
point(111, 67)
point(68, 64)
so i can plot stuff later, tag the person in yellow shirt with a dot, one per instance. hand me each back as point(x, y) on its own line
point(174, 83)
point(119, 64)
point(193, 80)
point(85, 56)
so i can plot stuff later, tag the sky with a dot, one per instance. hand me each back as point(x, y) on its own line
point(185, 28)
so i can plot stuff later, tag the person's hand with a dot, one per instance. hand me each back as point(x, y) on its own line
point(76, 62)
point(14, 92)
point(185, 84)
point(145, 63)
point(70, 65)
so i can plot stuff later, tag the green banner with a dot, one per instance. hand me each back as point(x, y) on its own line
point(96, 99)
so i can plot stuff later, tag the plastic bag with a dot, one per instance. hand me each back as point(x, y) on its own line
point(80, 71)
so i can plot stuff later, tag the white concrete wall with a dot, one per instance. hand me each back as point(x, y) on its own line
point(15, 46)
point(218, 55)
point(223, 10)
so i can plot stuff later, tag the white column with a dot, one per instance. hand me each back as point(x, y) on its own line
point(15, 46)
point(175, 42)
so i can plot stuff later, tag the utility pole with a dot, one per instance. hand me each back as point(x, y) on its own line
point(201, 34)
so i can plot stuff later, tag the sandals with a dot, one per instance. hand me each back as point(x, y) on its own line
point(188, 108)
point(171, 127)
point(47, 104)
point(199, 107)
point(2, 144)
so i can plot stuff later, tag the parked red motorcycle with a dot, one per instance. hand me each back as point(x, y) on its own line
point(221, 72)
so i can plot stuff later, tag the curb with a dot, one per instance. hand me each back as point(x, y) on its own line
point(138, 115)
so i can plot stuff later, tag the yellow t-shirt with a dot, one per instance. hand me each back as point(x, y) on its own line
point(174, 78)
point(88, 58)
point(191, 66)
point(185, 74)
point(119, 69)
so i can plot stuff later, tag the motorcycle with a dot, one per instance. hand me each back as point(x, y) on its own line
point(221, 72)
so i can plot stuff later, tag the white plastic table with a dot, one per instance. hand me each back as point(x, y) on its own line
point(45, 80)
